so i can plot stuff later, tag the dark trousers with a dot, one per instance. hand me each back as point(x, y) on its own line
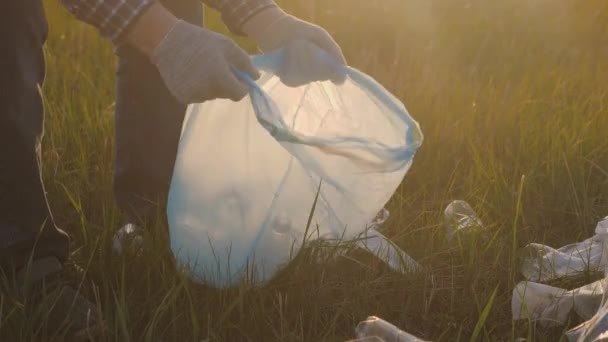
point(148, 124)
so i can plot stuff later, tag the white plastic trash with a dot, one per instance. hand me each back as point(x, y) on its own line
point(460, 218)
point(550, 305)
point(374, 242)
point(543, 263)
point(378, 330)
point(383, 248)
point(593, 330)
point(247, 173)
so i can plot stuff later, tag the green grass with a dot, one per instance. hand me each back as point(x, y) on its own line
point(513, 101)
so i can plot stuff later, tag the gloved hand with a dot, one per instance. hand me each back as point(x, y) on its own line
point(196, 64)
point(274, 28)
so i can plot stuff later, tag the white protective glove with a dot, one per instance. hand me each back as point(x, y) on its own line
point(273, 29)
point(196, 64)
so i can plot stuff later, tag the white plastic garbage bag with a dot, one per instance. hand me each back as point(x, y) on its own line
point(247, 173)
point(543, 263)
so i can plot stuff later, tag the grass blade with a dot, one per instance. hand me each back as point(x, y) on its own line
point(484, 316)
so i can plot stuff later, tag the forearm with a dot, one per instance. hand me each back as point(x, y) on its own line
point(111, 17)
point(140, 23)
point(257, 27)
point(143, 23)
point(150, 28)
point(236, 13)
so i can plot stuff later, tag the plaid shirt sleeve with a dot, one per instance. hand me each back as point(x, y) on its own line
point(236, 12)
point(111, 17)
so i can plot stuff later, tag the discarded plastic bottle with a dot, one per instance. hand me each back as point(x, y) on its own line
point(542, 263)
point(460, 218)
point(378, 330)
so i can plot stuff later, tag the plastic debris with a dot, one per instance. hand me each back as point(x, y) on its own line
point(460, 218)
point(593, 330)
point(375, 329)
point(384, 249)
point(550, 306)
point(543, 263)
point(375, 243)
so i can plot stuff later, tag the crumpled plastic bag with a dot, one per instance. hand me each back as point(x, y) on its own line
point(248, 174)
point(550, 306)
point(543, 263)
point(593, 330)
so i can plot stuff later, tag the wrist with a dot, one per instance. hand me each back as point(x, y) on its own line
point(150, 29)
point(261, 27)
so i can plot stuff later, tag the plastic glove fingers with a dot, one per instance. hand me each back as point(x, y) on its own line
point(200, 85)
point(304, 64)
point(325, 41)
point(322, 39)
point(239, 59)
point(299, 29)
point(299, 72)
point(230, 86)
point(214, 83)
point(181, 96)
point(326, 71)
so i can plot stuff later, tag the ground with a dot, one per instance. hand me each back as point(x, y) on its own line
point(512, 99)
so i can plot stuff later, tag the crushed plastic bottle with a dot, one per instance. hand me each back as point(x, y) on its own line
point(543, 263)
point(550, 306)
point(593, 330)
point(460, 218)
point(381, 247)
point(375, 329)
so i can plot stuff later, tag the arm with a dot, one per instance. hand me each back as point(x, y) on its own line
point(111, 17)
point(270, 26)
point(236, 12)
point(275, 28)
point(195, 63)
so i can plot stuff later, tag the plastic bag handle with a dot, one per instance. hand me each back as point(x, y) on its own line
point(243, 76)
point(353, 148)
point(272, 61)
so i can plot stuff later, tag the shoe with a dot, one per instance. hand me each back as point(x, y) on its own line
point(69, 312)
point(128, 238)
